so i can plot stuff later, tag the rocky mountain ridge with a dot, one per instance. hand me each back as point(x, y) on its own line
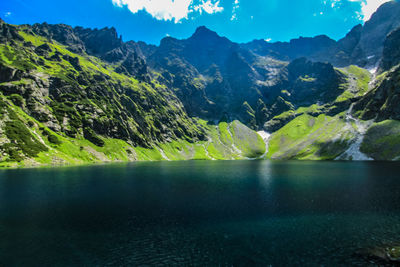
point(362, 46)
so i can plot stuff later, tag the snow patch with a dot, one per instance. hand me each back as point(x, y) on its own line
point(353, 152)
point(373, 70)
point(265, 136)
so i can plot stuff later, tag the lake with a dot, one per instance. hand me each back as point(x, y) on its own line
point(223, 213)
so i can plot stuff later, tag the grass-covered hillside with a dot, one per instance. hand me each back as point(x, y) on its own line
point(63, 107)
point(360, 124)
point(75, 96)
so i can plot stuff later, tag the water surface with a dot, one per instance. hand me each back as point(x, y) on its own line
point(199, 213)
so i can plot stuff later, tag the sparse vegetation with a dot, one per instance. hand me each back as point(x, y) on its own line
point(382, 141)
point(308, 137)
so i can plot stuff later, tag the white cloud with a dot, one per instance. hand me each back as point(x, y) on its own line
point(268, 40)
point(333, 3)
point(174, 10)
point(234, 9)
point(368, 7)
point(7, 14)
point(208, 7)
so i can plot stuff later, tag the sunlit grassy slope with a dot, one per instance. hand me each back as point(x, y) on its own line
point(25, 141)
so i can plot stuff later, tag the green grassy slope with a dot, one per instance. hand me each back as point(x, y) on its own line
point(27, 142)
point(382, 141)
point(59, 107)
point(310, 138)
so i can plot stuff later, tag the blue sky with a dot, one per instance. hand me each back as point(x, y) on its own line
point(239, 20)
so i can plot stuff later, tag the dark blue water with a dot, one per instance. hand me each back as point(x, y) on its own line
point(199, 213)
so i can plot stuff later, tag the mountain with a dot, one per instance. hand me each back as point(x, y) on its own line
point(68, 101)
point(212, 75)
point(362, 46)
point(311, 47)
point(72, 95)
point(374, 32)
point(217, 79)
point(391, 53)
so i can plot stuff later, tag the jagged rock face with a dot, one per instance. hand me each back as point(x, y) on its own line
point(80, 40)
point(103, 43)
point(98, 42)
point(351, 40)
point(324, 78)
point(205, 48)
point(212, 76)
point(304, 81)
point(384, 101)
point(391, 51)
point(146, 49)
point(217, 79)
point(61, 33)
point(8, 74)
point(383, 21)
point(8, 32)
point(313, 48)
point(69, 97)
point(301, 84)
point(117, 108)
point(363, 45)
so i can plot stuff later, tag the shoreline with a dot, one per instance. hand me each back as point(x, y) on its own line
point(102, 163)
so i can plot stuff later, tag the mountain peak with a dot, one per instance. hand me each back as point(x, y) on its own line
point(204, 32)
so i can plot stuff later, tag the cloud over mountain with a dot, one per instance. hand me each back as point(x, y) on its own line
point(172, 10)
point(368, 7)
